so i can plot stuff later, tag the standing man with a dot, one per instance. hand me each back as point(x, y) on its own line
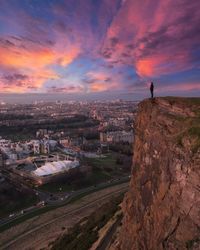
point(151, 89)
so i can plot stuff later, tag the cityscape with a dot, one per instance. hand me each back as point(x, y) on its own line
point(50, 151)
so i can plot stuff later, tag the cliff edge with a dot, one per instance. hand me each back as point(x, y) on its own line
point(162, 207)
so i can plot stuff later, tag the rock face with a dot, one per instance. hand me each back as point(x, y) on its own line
point(162, 206)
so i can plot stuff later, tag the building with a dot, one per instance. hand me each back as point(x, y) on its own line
point(36, 147)
point(55, 167)
point(43, 146)
point(116, 136)
point(46, 169)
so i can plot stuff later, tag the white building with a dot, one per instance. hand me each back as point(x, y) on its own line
point(117, 136)
point(55, 167)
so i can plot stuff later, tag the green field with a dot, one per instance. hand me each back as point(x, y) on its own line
point(107, 161)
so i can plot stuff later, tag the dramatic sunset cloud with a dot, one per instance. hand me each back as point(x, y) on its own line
point(86, 46)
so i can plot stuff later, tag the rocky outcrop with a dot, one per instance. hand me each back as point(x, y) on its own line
point(162, 206)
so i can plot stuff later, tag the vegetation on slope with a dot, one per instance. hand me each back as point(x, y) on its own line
point(189, 127)
point(85, 233)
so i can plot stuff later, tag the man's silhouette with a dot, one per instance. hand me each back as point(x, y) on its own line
point(151, 89)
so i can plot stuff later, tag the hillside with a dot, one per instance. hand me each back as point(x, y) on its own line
point(162, 207)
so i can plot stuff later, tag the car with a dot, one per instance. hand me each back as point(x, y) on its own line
point(41, 203)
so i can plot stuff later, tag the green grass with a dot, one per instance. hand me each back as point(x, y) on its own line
point(99, 176)
point(183, 100)
point(188, 102)
point(96, 177)
point(192, 132)
point(108, 161)
point(107, 164)
point(189, 127)
point(55, 187)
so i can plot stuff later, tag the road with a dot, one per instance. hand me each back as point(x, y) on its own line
point(58, 200)
point(13, 244)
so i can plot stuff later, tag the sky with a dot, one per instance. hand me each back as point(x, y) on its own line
point(100, 47)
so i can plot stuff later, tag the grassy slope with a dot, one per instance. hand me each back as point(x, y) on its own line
point(189, 126)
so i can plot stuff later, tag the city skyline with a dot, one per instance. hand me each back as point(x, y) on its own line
point(99, 49)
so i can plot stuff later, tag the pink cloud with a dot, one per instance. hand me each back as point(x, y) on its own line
point(34, 60)
point(154, 37)
point(158, 36)
point(98, 81)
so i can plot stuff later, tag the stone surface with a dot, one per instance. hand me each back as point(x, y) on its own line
point(162, 206)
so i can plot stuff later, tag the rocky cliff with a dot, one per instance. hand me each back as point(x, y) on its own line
point(162, 207)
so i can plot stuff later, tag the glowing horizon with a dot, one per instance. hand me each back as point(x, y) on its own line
point(93, 46)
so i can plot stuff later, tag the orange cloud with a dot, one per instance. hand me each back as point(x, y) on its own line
point(35, 64)
point(13, 88)
point(161, 64)
point(151, 66)
point(98, 87)
point(40, 77)
point(17, 58)
point(67, 58)
point(144, 67)
point(24, 59)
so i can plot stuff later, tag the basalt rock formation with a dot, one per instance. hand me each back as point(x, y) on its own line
point(162, 207)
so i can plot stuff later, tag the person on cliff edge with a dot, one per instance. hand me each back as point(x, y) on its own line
point(151, 90)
